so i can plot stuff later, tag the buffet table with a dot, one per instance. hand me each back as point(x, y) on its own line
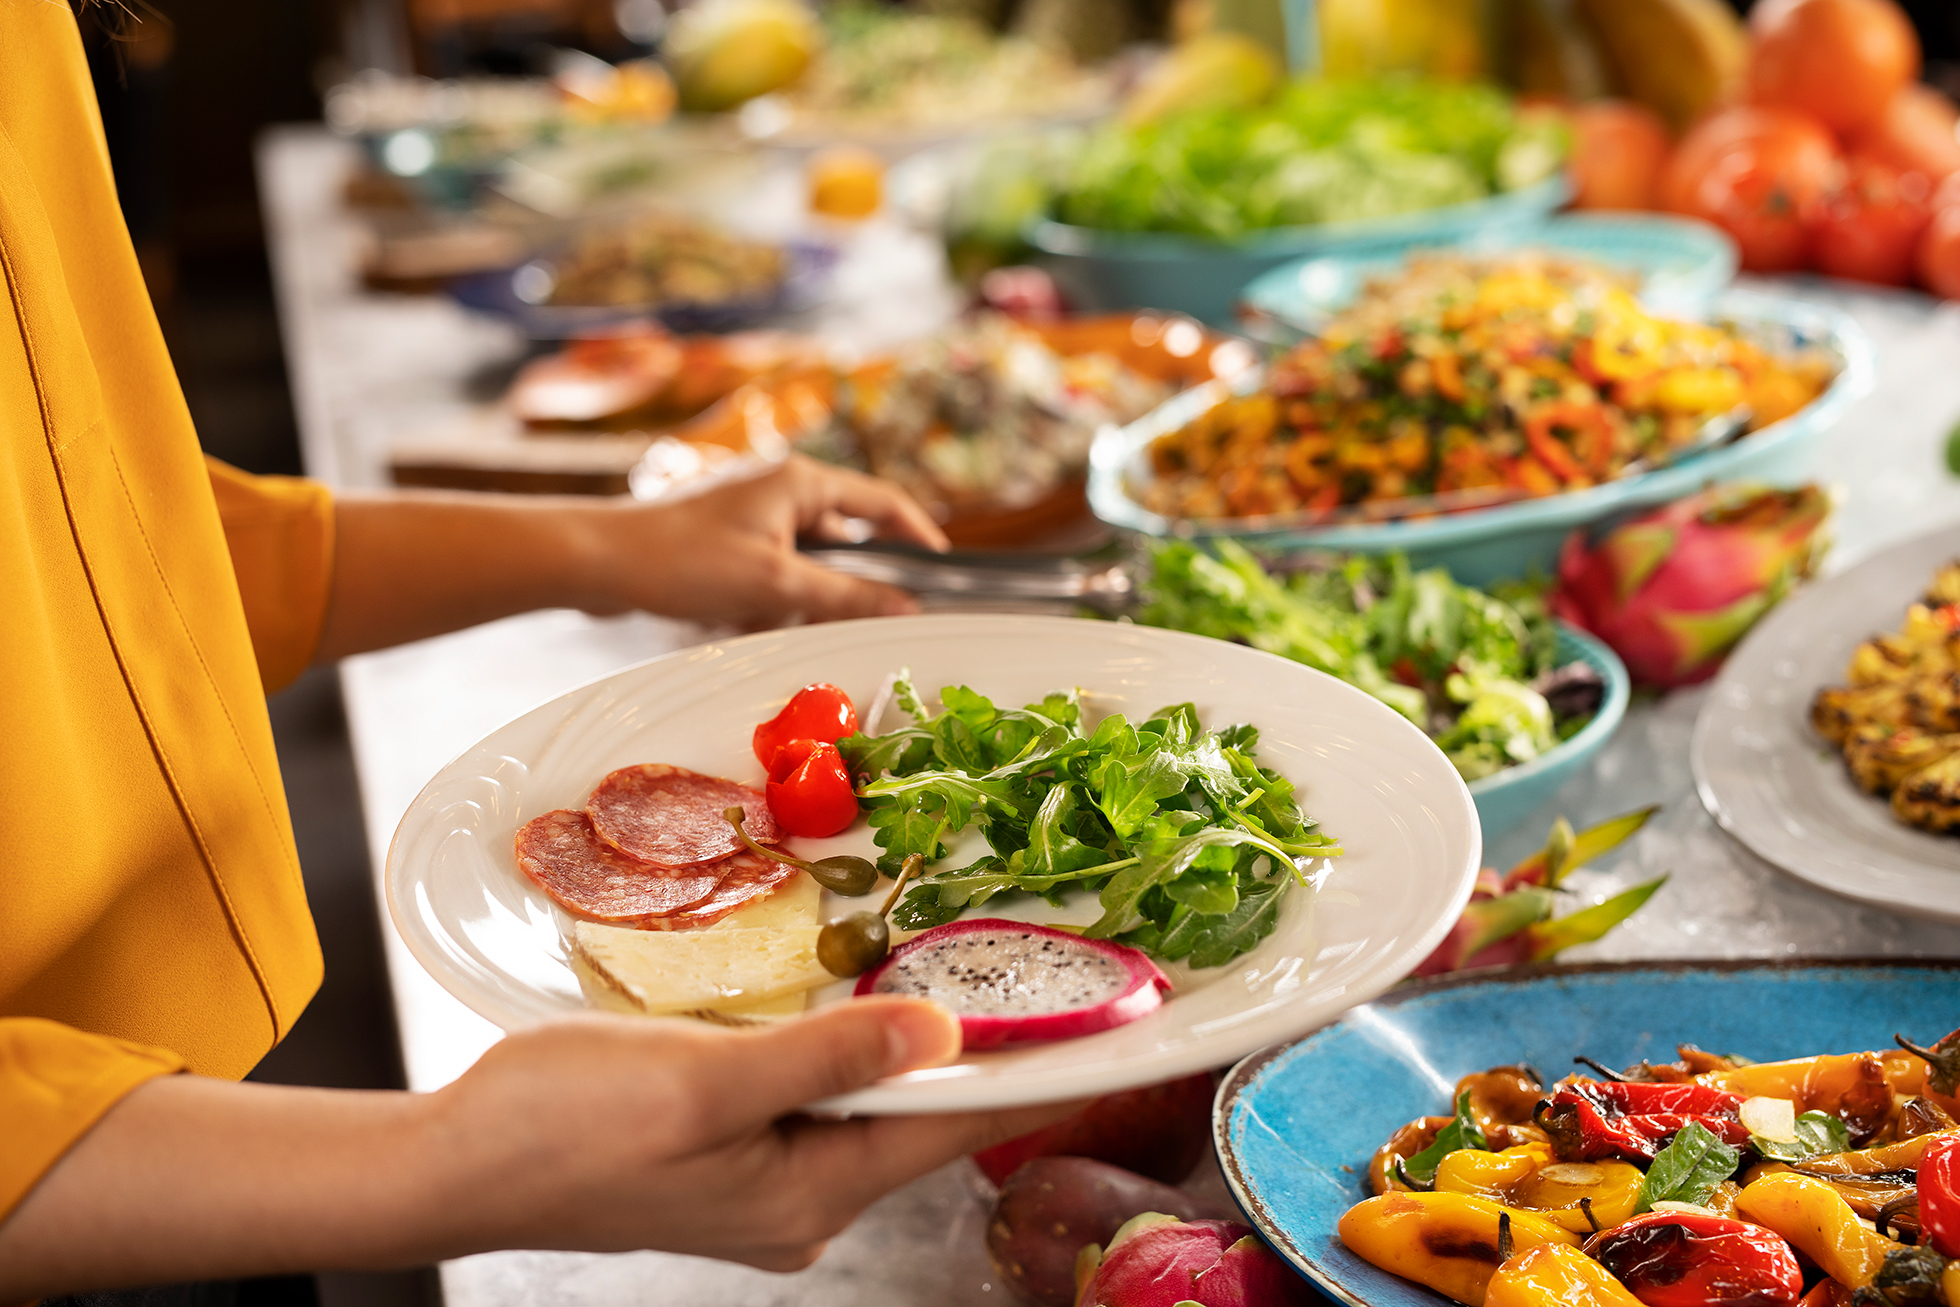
point(368, 368)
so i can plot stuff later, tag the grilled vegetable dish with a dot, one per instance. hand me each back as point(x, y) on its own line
point(1477, 670)
point(1897, 722)
point(1463, 382)
point(1830, 1180)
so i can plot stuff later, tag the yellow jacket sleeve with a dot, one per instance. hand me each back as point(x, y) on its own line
point(55, 1084)
point(280, 534)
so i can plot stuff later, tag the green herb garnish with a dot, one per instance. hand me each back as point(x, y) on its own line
point(1462, 1132)
point(1817, 1133)
point(1694, 1162)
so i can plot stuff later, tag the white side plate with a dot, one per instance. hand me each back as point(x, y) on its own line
point(1778, 787)
point(1372, 779)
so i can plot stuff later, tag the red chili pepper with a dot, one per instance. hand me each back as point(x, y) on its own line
point(815, 712)
point(1591, 1119)
point(1592, 439)
point(1685, 1259)
point(809, 789)
point(1939, 1195)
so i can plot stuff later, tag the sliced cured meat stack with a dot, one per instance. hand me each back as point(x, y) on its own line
point(672, 816)
point(745, 877)
point(586, 876)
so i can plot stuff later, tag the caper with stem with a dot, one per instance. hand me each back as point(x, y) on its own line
point(841, 874)
point(851, 946)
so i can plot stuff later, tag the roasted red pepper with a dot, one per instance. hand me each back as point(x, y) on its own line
point(816, 712)
point(1939, 1195)
point(1685, 1259)
point(809, 789)
point(1591, 1119)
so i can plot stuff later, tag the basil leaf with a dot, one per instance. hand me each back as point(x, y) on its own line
point(1688, 1169)
point(1817, 1133)
point(1462, 1132)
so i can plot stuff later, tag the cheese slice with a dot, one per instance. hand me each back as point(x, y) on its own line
point(758, 961)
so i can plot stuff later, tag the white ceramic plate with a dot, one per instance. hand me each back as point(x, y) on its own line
point(1405, 818)
point(1776, 785)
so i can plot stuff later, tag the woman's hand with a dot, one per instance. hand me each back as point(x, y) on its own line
point(419, 563)
point(729, 555)
point(598, 1133)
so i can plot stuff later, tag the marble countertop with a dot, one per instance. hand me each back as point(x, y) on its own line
point(367, 368)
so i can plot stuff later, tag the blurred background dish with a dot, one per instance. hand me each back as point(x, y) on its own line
point(1678, 266)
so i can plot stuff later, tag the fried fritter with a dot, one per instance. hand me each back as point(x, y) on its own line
point(1880, 757)
point(1930, 797)
point(1925, 645)
point(1837, 711)
point(1933, 702)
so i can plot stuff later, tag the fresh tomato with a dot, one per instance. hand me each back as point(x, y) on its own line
point(1758, 173)
point(1686, 1259)
point(1869, 229)
point(1618, 148)
point(809, 789)
point(1939, 1195)
point(1918, 132)
point(1841, 60)
point(815, 712)
point(1938, 259)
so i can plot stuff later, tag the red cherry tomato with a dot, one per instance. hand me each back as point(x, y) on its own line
point(1618, 148)
point(1841, 60)
point(1919, 132)
point(809, 789)
point(1685, 1259)
point(1939, 1195)
point(815, 712)
point(1869, 229)
point(1758, 173)
point(1938, 260)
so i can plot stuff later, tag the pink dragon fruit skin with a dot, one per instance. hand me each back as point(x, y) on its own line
point(1157, 1261)
point(1674, 590)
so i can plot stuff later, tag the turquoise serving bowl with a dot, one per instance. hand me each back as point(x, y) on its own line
point(1516, 539)
point(1508, 797)
point(1100, 270)
point(1296, 1125)
point(1681, 263)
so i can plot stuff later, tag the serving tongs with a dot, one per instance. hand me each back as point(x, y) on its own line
point(1108, 582)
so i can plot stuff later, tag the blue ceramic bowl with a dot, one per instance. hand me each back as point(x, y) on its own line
point(1682, 264)
point(1513, 540)
point(1296, 1125)
point(1163, 270)
point(1507, 798)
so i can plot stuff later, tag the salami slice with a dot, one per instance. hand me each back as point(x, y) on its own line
point(672, 816)
point(588, 877)
point(748, 876)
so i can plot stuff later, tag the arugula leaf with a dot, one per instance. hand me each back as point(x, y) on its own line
point(1222, 938)
point(907, 697)
point(904, 829)
point(1688, 1169)
point(1462, 1132)
point(1817, 1133)
point(1128, 789)
point(1122, 897)
point(903, 750)
point(1208, 891)
point(1051, 849)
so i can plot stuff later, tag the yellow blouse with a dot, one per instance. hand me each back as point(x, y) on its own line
point(151, 912)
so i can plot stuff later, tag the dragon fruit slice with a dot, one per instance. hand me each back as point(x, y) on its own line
point(1160, 1261)
point(1012, 983)
point(1673, 591)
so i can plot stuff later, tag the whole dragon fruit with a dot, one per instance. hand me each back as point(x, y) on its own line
point(1155, 1260)
point(1673, 591)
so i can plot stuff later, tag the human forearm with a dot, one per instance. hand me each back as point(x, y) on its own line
point(418, 564)
point(193, 1178)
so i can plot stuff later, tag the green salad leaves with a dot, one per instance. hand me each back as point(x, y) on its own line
point(1189, 843)
point(1323, 151)
point(1455, 660)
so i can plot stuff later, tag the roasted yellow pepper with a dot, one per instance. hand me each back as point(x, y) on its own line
point(1950, 1282)
point(1818, 1223)
point(1553, 1275)
point(1528, 1178)
point(1447, 1241)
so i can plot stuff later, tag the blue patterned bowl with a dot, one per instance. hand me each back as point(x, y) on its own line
point(1295, 1125)
point(1507, 798)
point(1166, 270)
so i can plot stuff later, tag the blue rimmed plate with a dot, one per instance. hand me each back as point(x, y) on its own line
point(1296, 1125)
